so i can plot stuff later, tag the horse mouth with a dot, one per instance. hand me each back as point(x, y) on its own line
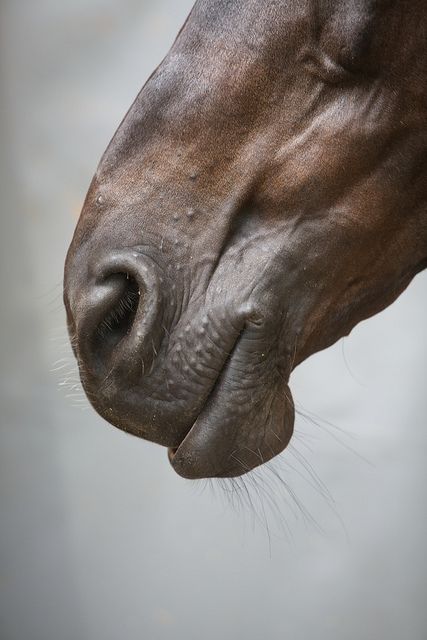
point(237, 428)
point(173, 452)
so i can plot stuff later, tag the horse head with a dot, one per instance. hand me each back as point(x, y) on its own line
point(265, 193)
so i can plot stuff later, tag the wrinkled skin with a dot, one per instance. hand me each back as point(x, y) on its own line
point(266, 192)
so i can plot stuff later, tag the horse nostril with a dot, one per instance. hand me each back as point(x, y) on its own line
point(117, 315)
point(118, 320)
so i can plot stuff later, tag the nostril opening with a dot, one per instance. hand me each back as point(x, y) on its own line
point(118, 321)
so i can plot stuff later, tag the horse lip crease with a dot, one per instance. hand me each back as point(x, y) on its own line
point(174, 451)
point(219, 433)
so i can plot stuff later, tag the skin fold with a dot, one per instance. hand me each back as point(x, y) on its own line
point(266, 191)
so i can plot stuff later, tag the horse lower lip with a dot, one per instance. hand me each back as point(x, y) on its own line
point(172, 451)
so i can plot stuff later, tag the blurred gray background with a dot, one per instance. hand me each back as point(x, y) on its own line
point(99, 539)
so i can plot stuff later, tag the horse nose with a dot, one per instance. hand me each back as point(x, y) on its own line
point(115, 316)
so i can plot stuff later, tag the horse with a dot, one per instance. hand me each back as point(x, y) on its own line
point(266, 191)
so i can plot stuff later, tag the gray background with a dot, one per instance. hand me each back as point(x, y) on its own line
point(98, 538)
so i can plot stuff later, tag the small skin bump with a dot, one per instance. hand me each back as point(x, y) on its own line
point(190, 214)
point(193, 175)
point(99, 200)
point(175, 217)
